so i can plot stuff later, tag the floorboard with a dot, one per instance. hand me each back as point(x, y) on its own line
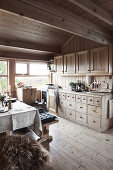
point(77, 147)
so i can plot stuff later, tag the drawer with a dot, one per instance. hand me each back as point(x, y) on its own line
point(78, 98)
point(81, 117)
point(70, 105)
point(68, 96)
point(70, 115)
point(94, 122)
point(62, 96)
point(84, 99)
point(94, 110)
point(97, 101)
point(90, 100)
point(73, 97)
point(80, 107)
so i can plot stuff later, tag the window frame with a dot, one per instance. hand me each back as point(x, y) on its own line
point(7, 75)
point(28, 69)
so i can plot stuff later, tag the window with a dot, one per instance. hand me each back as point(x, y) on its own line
point(3, 76)
point(38, 69)
point(21, 68)
point(36, 82)
point(35, 74)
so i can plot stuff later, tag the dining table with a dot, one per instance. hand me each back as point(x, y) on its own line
point(20, 116)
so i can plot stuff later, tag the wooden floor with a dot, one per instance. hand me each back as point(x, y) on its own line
point(77, 147)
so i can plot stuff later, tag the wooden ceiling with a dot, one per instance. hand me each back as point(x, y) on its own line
point(38, 29)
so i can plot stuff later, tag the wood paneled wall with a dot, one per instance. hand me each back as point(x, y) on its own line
point(75, 44)
point(64, 81)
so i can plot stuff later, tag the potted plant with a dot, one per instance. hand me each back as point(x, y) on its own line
point(71, 85)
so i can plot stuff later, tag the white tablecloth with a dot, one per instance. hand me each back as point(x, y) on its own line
point(21, 115)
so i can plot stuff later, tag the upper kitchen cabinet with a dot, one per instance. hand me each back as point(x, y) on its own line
point(59, 64)
point(100, 60)
point(69, 63)
point(82, 62)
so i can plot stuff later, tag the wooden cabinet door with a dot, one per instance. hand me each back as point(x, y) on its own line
point(100, 60)
point(82, 62)
point(58, 64)
point(69, 63)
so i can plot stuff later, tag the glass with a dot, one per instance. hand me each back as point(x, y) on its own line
point(21, 68)
point(38, 69)
point(3, 67)
point(33, 81)
point(3, 84)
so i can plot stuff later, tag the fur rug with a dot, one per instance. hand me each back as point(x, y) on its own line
point(22, 153)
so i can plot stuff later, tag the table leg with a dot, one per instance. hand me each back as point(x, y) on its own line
point(45, 133)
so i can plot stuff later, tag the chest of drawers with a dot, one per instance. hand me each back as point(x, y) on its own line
point(87, 109)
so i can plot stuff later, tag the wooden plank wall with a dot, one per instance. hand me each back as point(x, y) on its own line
point(64, 81)
point(75, 44)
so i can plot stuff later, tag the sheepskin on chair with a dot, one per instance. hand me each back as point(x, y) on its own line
point(21, 153)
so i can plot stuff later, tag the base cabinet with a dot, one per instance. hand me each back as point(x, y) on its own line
point(27, 96)
point(91, 110)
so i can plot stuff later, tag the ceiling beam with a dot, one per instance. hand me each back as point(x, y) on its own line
point(57, 17)
point(29, 45)
point(20, 55)
point(94, 9)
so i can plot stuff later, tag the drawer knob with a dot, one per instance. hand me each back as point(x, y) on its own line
point(84, 99)
point(71, 114)
point(90, 100)
point(70, 104)
point(94, 111)
point(94, 121)
point(78, 98)
point(81, 107)
point(81, 117)
point(98, 101)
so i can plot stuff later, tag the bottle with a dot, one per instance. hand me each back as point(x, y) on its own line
point(9, 105)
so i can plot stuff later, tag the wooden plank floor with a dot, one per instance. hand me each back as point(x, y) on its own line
point(77, 147)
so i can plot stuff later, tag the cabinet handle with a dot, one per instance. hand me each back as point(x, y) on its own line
point(88, 70)
point(71, 114)
point(84, 99)
point(81, 117)
point(94, 121)
point(81, 107)
point(78, 98)
point(70, 105)
point(90, 100)
point(94, 111)
point(98, 101)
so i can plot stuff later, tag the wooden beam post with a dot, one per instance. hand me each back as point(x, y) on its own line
point(94, 9)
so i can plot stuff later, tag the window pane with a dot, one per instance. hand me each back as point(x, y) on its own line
point(3, 67)
point(3, 84)
point(21, 68)
point(38, 69)
point(33, 81)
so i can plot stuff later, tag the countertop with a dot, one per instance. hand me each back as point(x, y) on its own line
point(91, 93)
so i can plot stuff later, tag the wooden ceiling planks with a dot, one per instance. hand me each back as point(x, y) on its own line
point(50, 32)
point(14, 52)
point(105, 4)
point(57, 18)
